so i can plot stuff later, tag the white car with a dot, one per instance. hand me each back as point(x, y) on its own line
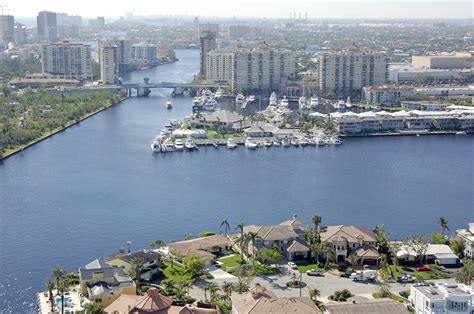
point(292, 265)
point(314, 272)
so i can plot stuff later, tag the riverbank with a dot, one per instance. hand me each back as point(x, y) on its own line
point(10, 152)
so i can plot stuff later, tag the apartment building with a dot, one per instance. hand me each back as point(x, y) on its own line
point(67, 60)
point(387, 95)
point(108, 63)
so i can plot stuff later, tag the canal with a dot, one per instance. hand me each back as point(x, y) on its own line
point(83, 193)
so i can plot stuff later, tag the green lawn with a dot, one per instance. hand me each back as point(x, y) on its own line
point(260, 269)
point(230, 261)
point(304, 266)
point(424, 275)
point(173, 272)
point(392, 296)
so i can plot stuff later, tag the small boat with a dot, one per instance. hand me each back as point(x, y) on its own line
point(314, 103)
point(169, 147)
point(348, 102)
point(304, 141)
point(178, 145)
point(250, 143)
point(276, 143)
point(168, 105)
point(284, 102)
point(336, 140)
point(239, 100)
point(218, 94)
point(215, 145)
point(295, 142)
point(320, 141)
point(251, 98)
point(267, 143)
point(231, 144)
point(189, 144)
point(165, 132)
point(461, 133)
point(273, 99)
point(285, 142)
point(155, 147)
point(341, 106)
point(302, 103)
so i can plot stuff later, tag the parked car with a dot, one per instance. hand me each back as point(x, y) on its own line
point(292, 265)
point(314, 272)
point(423, 268)
point(345, 275)
point(404, 294)
point(406, 279)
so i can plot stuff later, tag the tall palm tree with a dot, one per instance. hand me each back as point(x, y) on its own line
point(241, 239)
point(443, 224)
point(394, 247)
point(136, 267)
point(227, 288)
point(314, 294)
point(251, 237)
point(352, 259)
point(62, 286)
point(226, 225)
point(328, 251)
point(205, 289)
point(213, 288)
point(50, 286)
point(317, 226)
point(58, 273)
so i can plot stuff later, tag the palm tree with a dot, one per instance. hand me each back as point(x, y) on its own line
point(136, 267)
point(352, 259)
point(160, 243)
point(314, 294)
point(92, 308)
point(50, 286)
point(62, 289)
point(227, 288)
point(241, 240)
point(394, 248)
point(328, 251)
point(443, 224)
point(226, 225)
point(213, 288)
point(317, 222)
point(58, 273)
point(205, 289)
point(251, 237)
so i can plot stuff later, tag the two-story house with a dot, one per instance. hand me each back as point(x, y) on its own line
point(151, 261)
point(442, 298)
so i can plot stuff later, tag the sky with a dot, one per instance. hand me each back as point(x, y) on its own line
point(250, 8)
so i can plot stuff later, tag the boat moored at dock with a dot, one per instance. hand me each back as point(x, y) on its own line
point(250, 143)
point(231, 144)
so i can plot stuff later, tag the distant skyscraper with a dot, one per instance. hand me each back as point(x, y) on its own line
point(20, 34)
point(7, 29)
point(108, 63)
point(67, 60)
point(98, 23)
point(144, 51)
point(124, 51)
point(47, 25)
point(208, 27)
point(208, 42)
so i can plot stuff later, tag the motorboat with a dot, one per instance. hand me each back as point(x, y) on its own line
point(155, 147)
point(295, 142)
point(218, 94)
point(276, 143)
point(284, 102)
point(210, 105)
point(165, 132)
point(178, 145)
point(250, 143)
point(168, 105)
point(197, 100)
point(231, 143)
point(252, 98)
point(239, 99)
point(189, 144)
point(302, 102)
point(320, 141)
point(273, 99)
point(335, 140)
point(348, 102)
point(304, 141)
point(314, 103)
point(285, 142)
point(341, 106)
point(169, 147)
point(461, 133)
point(267, 143)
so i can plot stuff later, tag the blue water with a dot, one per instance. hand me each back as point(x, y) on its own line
point(83, 193)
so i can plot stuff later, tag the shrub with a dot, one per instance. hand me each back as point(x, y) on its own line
point(206, 234)
point(341, 296)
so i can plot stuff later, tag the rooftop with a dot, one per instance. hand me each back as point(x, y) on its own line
point(379, 306)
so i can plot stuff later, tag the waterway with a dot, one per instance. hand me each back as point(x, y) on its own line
point(83, 193)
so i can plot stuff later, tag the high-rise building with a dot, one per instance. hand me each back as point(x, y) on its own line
point(98, 23)
point(7, 29)
point(47, 26)
point(208, 27)
point(67, 60)
point(208, 42)
point(108, 63)
point(20, 34)
point(124, 54)
point(343, 73)
point(145, 52)
point(251, 70)
point(68, 25)
point(238, 31)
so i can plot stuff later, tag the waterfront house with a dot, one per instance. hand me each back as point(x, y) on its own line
point(351, 240)
point(261, 130)
point(223, 120)
point(439, 253)
point(442, 298)
point(386, 95)
point(151, 262)
point(361, 306)
point(288, 237)
point(205, 248)
point(152, 303)
point(103, 284)
point(468, 236)
point(260, 299)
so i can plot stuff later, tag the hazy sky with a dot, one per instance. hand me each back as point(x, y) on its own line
point(251, 8)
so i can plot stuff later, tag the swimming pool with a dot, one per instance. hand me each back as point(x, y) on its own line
point(67, 302)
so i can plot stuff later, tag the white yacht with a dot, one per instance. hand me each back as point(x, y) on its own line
point(348, 102)
point(273, 99)
point(178, 145)
point(252, 98)
point(294, 141)
point(210, 105)
point(165, 132)
point(169, 105)
point(320, 141)
point(218, 94)
point(461, 133)
point(155, 147)
point(276, 143)
point(189, 144)
point(334, 140)
point(284, 102)
point(285, 142)
point(250, 143)
point(303, 103)
point(267, 143)
point(341, 106)
point(239, 100)
point(314, 103)
point(231, 143)
point(169, 147)
point(304, 141)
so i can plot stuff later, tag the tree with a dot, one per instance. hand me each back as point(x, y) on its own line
point(381, 238)
point(226, 225)
point(58, 273)
point(438, 238)
point(62, 286)
point(193, 266)
point(458, 245)
point(314, 294)
point(92, 308)
point(419, 245)
point(50, 286)
point(136, 267)
point(315, 251)
point(352, 259)
point(327, 249)
point(317, 223)
point(251, 237)
point(443, 225)
point(269, 256)
point(394, 248)
point(213, 289)
point(188, 236)
point(466, 273)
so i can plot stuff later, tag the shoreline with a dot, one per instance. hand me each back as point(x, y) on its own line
point(48, 135)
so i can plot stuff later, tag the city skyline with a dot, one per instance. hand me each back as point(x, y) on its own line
point(383, 9)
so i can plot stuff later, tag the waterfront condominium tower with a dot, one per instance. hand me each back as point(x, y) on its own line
point(208, 43)
point(346, 72)
point(108, 63)
point(67, 60)
point(251, 70)
point(47, 25)
point(7, 29)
